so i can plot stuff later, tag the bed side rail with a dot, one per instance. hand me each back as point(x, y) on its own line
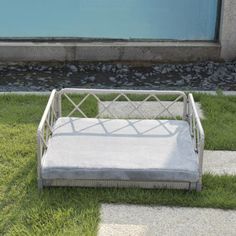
point(136, 107)
point(45, 128)
point(196, 130)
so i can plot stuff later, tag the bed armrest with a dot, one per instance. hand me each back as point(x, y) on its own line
point(196, 130)
point(45, 127)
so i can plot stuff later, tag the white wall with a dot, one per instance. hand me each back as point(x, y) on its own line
point(228, 30)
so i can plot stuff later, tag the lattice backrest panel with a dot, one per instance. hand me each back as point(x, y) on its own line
point(125, 104)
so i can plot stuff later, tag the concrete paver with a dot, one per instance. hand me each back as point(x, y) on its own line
point(131, 220)
point(219, 162)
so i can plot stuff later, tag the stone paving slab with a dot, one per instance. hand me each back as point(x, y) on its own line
point(131, 220)
point(150, 109)
point(219, 162)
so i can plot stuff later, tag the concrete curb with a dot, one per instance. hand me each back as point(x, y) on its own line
point(109, 51)
point(26, 93)
point(226, 93)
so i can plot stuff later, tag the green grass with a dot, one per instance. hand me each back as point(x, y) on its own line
point(220, 122)
point(75, 211)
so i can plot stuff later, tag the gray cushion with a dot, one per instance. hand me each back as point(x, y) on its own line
point(140, 150)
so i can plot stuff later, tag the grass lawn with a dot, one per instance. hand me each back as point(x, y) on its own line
point(75, 211)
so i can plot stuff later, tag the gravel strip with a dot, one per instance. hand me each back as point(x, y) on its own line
point(205, 76)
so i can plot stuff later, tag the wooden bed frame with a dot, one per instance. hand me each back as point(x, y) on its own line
point(54, 111)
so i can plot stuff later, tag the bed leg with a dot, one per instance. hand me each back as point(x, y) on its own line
point(198, 186)
point(40, 184)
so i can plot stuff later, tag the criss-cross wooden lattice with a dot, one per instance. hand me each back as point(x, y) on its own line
point(121, 96)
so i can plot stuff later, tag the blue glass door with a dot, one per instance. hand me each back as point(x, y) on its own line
point(113, 19)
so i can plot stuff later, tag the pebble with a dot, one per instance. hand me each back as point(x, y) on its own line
point(108, 68)
point(156, 68)
point(92, 78)
point(124, 70)
point(187, 78)
point(42, 79)
point(179, 82)
point(69, 74)
point(112, 79)
point(120, 76)
point(137, 74)
point(188, 69)
point(164, 71)
point(73, 68)
point(119, 66)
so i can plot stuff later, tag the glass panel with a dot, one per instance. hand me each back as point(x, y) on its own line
point(116, 19)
